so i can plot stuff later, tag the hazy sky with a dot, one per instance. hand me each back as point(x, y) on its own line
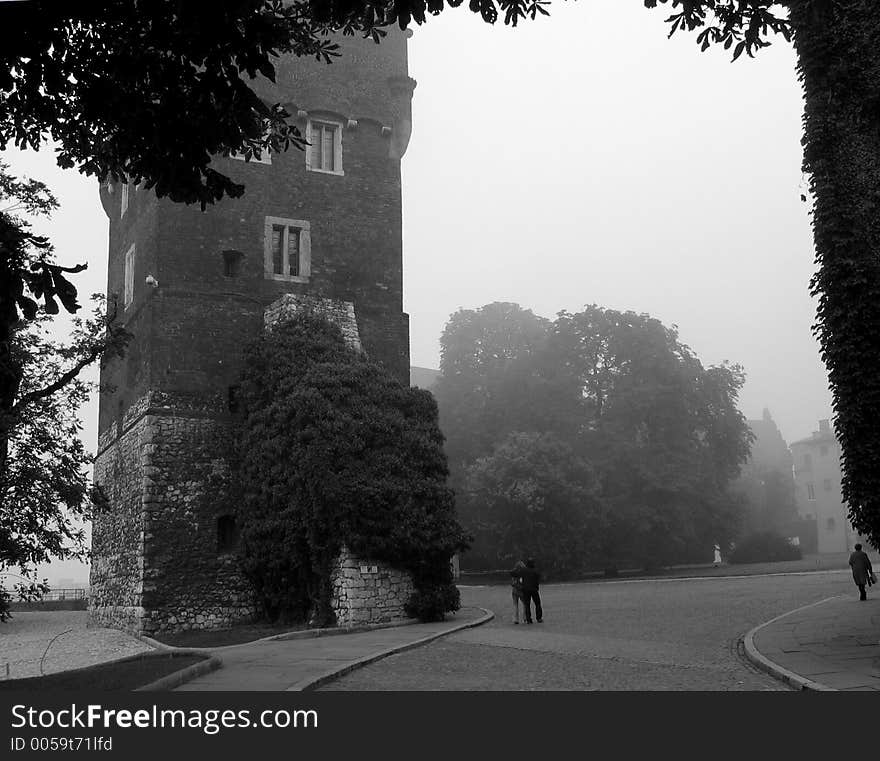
point(584, 158)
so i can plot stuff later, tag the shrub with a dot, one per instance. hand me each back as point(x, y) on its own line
point(334, 451)
point(764, 547)
point(432, 603)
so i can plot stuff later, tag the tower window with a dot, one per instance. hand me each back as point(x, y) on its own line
point(231, 262)
point(227, 534)
point(325, 149)
point(128, 293)
point(827, 484)
point(811, 493)
point(233, 399)
point(288, 249)
point(123, 207)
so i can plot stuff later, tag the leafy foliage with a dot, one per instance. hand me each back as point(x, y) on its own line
point(94, 75)
point(42, 461)
point(533, 496)
point(743, 25)
point(839, 66)
point(26, 267)
point(491, 380)
point(108, 82)
point(333, 452)
point(663, 430)
point(764, 547)
point(27, 274)
point(44, 495)
point(647, 440)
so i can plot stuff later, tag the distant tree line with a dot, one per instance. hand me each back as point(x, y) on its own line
point(593, 441)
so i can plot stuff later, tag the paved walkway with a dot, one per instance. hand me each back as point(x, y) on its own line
point(60, 641)
point(830, 645)
point(302, 663)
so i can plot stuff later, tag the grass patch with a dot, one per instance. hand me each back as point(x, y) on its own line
point(237, 635)
point(49, 605)
point(122, 675)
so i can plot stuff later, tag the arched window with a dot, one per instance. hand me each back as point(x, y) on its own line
point(227, 534)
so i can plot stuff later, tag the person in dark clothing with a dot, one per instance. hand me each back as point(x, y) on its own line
point(862, 571)
point(531, 580)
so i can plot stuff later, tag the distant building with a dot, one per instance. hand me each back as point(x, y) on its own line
point(767, 485)
point(817, 489)
point(769, 450)
point(423, 377)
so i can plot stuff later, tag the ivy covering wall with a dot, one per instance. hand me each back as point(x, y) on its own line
point(334, 451)
point(838, 47)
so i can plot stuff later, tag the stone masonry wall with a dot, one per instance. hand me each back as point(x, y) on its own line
point(340, 313)
point(189, 581)
point(366, 592)
point(156, 563)
point(116, 576)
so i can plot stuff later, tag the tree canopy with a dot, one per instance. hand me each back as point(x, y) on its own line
point(645, 439)
point(43, 481)
point(533, 495)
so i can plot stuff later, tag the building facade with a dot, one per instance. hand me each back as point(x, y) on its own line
point(322, 227)
point(817, 489)
point(767, 483)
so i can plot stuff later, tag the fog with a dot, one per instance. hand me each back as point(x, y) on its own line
point(581, 159)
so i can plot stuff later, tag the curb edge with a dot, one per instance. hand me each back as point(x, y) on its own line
point(330, 631)
point(314, 682)
point(177, 678)
point(772, 668)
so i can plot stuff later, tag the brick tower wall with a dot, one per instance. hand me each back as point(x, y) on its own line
point(165, 422)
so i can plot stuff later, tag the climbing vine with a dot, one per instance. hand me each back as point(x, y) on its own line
point(838, 46)
point(838, 49)
point(334, 451)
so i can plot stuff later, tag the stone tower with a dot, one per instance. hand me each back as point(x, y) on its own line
point(322, 227)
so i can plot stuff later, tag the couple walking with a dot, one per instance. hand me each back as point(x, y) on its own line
point(525, 581)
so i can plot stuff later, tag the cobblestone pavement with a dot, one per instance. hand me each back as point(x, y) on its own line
point(627, 635)
point(834, 643)
point(24, 639)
